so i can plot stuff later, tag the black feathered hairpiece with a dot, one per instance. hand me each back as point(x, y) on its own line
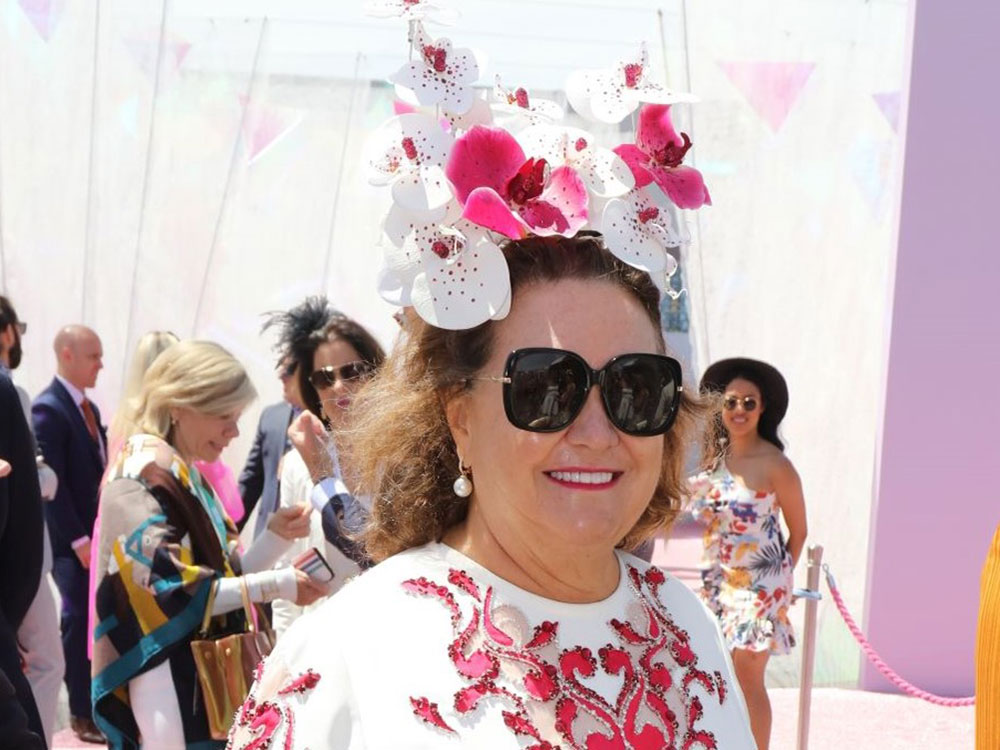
point(301, 327)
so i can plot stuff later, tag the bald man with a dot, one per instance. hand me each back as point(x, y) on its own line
point(73, 440)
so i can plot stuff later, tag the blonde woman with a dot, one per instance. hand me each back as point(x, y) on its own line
point(167, 551)
point(122, 425)
point(148, 348)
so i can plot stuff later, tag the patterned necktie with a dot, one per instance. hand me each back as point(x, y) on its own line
point(90, 419)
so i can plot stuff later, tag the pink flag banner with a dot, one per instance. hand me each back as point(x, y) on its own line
point(771, 88)
point(889, 103)
point(265, 125)
point(44, 15)
point(143, 48)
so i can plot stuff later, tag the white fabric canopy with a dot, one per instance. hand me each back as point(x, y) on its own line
point(190, 165)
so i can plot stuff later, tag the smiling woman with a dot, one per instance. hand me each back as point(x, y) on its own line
point(504, 606)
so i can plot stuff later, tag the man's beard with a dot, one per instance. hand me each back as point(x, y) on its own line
point(14, 354)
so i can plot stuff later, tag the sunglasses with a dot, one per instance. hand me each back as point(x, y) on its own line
point(285, 372)
point(544, 390)
point(327, 377)
point(731, 402)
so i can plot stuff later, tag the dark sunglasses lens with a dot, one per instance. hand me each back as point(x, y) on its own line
point(749, 404)
point(730, 403)
point(641, 393)
point(546, 391)
point(324, 378)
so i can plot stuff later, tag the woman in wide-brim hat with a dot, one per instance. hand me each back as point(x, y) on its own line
point(742, 495)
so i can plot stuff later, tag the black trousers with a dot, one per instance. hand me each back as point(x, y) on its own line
point(72, 581)
point(10, 665)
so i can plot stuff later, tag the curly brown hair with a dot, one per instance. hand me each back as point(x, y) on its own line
point(400, 445)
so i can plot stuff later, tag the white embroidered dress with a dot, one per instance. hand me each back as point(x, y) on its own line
point(430, 650)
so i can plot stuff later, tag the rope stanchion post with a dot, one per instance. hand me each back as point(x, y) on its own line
point(815, 557)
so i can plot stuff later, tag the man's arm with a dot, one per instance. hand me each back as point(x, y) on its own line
point(251, 481)
point(52, 433)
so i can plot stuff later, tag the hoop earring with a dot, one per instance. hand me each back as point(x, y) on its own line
point(463, 485)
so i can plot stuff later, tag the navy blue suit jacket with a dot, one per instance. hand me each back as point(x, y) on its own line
point(75, 458)
point(259, 478)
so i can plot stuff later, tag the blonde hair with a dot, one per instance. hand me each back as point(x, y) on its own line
point(401, 447)
point(198, 375)
point(146, 351)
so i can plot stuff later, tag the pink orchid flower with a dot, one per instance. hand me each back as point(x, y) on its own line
point(657, 156)
point(500, 189)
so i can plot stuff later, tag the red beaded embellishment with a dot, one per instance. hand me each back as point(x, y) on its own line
point(654, 658)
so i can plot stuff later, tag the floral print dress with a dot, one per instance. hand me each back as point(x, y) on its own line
point(746, 568)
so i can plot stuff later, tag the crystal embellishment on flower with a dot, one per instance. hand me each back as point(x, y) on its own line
point(409, 152)
point(439, 74)
point(612, 94)
point(518, 102)
point(640, 233)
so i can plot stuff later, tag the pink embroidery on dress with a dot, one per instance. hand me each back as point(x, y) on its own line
point(652, 710)
point(259, 722)
point(305, 681)
point(428, 712)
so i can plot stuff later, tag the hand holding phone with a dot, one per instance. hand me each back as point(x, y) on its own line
point(312, 563)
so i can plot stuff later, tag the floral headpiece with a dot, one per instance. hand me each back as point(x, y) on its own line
point(468, 170)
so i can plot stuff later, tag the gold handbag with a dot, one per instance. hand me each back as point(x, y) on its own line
point(226, 665)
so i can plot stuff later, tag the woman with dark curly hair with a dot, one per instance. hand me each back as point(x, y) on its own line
point(333, 355)
point(743, 495)
point(511, 464)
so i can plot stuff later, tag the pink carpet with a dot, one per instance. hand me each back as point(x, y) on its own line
point(859, 720)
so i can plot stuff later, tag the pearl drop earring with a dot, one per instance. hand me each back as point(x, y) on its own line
point(463, 485)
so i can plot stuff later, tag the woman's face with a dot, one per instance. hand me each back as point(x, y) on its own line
point(203, 437)
point(740, 422)
point(520, 477)
point(336, 398)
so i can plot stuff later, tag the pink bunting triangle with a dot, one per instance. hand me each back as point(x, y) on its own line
point(771, 88)
point(265, 125)
point(144, 47)
point(44, 15)
point(889, 102)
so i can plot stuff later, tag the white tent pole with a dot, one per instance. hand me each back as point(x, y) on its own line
point(340, 175)
point(703, 342)
point(237, 140)
point(145, 187)
point(87, 244)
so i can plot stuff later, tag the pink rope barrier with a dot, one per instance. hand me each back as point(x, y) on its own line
point(907, 687)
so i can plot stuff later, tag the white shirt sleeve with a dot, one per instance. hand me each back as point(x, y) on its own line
point(267, 586)
point(265, 551)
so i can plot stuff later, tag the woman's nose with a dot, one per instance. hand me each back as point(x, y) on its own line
point(592, 427)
